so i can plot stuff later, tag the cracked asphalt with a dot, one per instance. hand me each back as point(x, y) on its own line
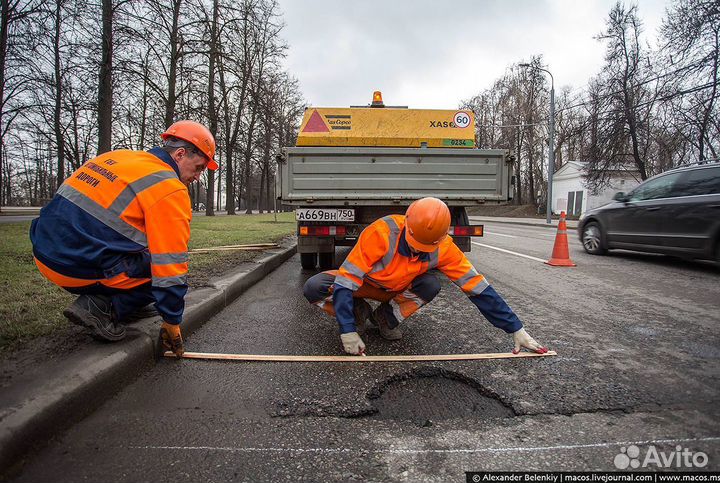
point(638, 363)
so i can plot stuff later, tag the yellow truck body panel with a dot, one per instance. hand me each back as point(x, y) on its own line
point(387, 127)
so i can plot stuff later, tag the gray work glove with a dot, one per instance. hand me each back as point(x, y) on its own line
point(352, 343)
point(523, 339)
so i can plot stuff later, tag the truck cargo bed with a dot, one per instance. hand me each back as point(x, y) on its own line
point(355, 176)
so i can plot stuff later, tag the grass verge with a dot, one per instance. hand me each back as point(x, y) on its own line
point(31, 306)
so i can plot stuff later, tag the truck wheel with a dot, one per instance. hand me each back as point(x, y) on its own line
point(326, 261)
point(308, 260)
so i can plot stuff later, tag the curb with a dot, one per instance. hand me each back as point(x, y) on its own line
point(78, 386)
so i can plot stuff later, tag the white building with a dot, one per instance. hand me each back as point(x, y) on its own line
point(572, 196)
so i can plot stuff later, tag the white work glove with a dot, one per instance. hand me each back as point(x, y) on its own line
point(352, 343)
point(523, 339)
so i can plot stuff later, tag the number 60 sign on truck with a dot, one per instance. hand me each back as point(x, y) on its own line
point(354, 165)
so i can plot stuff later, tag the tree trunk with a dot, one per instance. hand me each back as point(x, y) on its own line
point(145, 101)
point(4, 26)
point(212, 113)
point(218, 195)
point(261, 187)
point(174, 56)
point(518, 176)
point(248, 158)
point(105, 88)
point(229, 182)
point(57, 121)
point(268, 181)
point(632, 130)
point(703, 131)
point(531, 167)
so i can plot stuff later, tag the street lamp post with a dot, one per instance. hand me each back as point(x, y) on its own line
point(551, 141)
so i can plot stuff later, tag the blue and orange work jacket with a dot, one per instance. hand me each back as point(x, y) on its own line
point(119, 207)
point(383, 258)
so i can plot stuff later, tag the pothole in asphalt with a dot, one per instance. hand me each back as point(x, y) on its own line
point(429, 394)
point(421, 395)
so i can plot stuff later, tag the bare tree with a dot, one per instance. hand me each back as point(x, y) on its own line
point(217, 62)
point(512, 115)
point(14, 17)
point(158, 26)
point(691, 34)
point(628, 96)
point(105, 84)
point(235, 71)
point(58, 84)
point(213, 52)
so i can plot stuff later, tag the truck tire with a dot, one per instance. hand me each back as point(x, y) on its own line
point(326, 260)
point(308, 260)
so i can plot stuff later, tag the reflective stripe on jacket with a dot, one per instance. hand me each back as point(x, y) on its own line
point(383, 258)
point(119, 203)
point(378, 258)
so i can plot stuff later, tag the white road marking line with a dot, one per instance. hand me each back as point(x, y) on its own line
point(508, 251)
point(499, 234)
point(418, 451)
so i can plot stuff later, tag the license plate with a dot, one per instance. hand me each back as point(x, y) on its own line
point(325, 214)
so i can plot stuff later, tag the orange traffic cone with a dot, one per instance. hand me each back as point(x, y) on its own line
point(561, 252)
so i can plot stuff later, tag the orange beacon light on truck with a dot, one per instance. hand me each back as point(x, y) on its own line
point(377, 100)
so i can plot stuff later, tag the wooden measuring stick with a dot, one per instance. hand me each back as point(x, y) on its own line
point(408, 358)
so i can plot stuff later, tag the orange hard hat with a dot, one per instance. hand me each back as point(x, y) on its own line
point(427, 222)
point(197, 134)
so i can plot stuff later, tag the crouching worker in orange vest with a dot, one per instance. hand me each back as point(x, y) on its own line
point(390, 262)
point(116, 233)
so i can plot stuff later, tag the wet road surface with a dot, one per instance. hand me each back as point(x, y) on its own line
point(639, 363)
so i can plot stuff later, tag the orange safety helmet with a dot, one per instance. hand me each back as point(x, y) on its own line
point(197, 134)
point(427, 222)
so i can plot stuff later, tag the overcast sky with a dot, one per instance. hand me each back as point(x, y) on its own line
point(435, 53)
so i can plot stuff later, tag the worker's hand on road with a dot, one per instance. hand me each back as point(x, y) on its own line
point(523, 339)
point(352, 343)
point(171, 338)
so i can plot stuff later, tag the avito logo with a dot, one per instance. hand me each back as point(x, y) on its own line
point(680, 458)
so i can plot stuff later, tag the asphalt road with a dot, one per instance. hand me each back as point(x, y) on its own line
point(638, 363)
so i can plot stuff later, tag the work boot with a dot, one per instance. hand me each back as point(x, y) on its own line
point(361, 311)
point(95, 313)
point(143, 313)
point(379, 317)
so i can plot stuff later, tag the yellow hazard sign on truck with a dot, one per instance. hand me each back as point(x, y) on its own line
point(387, 127)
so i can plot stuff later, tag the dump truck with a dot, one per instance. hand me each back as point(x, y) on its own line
point(351, 166)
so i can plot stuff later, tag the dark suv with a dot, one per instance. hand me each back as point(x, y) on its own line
point(676, 213)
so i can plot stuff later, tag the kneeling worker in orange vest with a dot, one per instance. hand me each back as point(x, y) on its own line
point(390, 262)
point(116, 233)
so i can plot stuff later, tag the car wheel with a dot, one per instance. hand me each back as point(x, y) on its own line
point(326, 261)
point(308, 260)
point(592, 239)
